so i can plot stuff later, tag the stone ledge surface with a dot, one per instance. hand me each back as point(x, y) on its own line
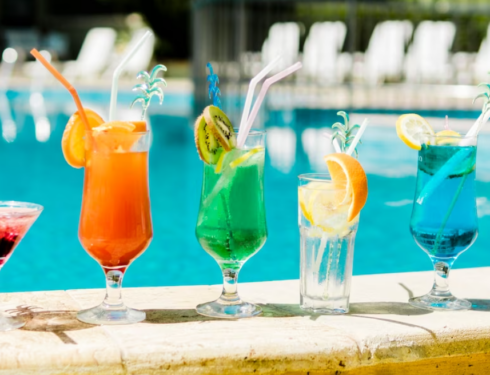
point(381, 335)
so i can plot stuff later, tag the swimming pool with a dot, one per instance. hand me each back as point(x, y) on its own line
point(51, 257)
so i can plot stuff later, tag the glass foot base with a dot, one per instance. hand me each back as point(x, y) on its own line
point(324, 311)
point(8, 323)
point(239, 310)
point(431, 302)
point(102, 315)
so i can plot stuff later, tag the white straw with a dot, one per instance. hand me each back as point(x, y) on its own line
point(118, 71)
point(358, 136)
point(250, 93)
point(335, 143)
point(475, 129)
point(260, 99)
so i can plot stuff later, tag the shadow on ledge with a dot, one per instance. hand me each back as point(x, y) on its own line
point(480, 304)
point(54, 321)
point(283, 311)
point(175, 316)
point(393, 308)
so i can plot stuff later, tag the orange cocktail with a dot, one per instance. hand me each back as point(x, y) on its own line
point(115, 223)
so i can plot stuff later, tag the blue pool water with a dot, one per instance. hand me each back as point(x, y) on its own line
point(51, 257)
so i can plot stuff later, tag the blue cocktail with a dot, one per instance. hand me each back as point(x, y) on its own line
point(444, 218)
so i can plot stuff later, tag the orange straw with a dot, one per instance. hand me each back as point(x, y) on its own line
point(69, 87)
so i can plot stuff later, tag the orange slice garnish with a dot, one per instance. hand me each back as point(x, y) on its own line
point(347, 171)
point(114, 136)
point(73, 142)
point(115, 127)
point(140, 126)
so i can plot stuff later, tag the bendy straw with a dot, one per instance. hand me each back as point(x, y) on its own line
point(118, 71)
point(250, 93)
point(69, 87)
point(242, 136)
point(357, 138)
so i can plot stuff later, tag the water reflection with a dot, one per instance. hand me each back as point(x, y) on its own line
point(281, 144)
point(36, 100)
point(316, 146)
point(9, 129)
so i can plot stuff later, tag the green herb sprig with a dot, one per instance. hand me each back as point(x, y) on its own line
point(345, 132)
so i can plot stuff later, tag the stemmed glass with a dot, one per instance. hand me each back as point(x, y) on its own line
point(15, 220)
point(444, 218)
point(115, 223)
point(231, 224)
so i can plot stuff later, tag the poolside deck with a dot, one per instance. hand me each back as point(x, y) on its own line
point(381, 335)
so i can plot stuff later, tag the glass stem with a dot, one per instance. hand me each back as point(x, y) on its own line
point(114, 278)
point(230, 284)
point(441, 275)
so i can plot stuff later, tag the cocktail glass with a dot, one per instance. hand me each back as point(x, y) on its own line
point(231, 224)
point(115, 223)
point(15, 220)
point(444, 218)
point(327, 245)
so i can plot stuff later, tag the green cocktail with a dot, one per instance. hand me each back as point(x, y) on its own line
point(231, 224)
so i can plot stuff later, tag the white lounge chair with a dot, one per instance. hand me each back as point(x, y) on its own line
point(322, 50)
point(428, 57)
point(283, 39)
point(481, 68)
point(138, 62)
point(94, 55)
point(386, 51)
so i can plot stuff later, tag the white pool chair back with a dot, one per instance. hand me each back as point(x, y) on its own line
point(481, 67)
point(386, 51)
point(428, 57)
point(322, 49)
point(94, 55)
point(283, 39)
point(142, 59)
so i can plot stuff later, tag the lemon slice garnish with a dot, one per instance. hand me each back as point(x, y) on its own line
point(411, 129)
point(235, 163)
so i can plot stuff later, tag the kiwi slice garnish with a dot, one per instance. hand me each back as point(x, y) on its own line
point(208, 146)
point(221, 127)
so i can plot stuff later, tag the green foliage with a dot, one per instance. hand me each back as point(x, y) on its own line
point(345, 132)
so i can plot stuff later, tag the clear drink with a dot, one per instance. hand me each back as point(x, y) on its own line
point(327, 244)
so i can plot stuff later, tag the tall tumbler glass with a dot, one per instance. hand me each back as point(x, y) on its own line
point(327, 245)
point(115, 223)
point(231, 224)
point(444, 220)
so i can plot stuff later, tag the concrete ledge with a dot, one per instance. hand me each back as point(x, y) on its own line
point(381, 335)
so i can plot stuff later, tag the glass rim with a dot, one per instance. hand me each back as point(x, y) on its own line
point(461, 136)
point(105, 134)
point(34, 208)
point(253, 131)
point(323, 177)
